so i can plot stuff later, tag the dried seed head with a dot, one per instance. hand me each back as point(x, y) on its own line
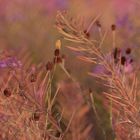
point(90, 90)
point(87, 34)
point(57, 52)
point(113, 27)
point(115, 53)
point(7, 92)
point(123, 60)
point(58, 134)
point(131, 60)
point(128, 51)
point(49, 66)
point(36, 116)
point(98, 24)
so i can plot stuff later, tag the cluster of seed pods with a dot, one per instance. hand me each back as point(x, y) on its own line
point(120, 56)
point(57, 58)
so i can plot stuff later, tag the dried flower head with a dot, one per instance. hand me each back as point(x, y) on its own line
point(113, 27)
point(7, 92)
point(87, 34)
point(123, 60)
point(36, 116)
point(128, 51)
point(57, 52)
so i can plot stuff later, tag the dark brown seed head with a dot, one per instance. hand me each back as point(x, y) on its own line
point(57, 52)
point(113, 27)
point(98, 24)
point(49, 66)
point(90, 90)
point(36, 116)
point(128, 51)
point(115, 53)
point(7, 92)
point(58, 134)
point(131, 60)
point(123, 60)
point(87, 34)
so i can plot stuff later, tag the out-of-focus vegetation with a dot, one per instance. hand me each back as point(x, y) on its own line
point(31, 22)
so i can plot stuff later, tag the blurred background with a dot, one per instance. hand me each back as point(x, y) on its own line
point(31, 22)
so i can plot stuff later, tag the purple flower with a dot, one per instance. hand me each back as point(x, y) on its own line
point(10, 62)
point(125, 22)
